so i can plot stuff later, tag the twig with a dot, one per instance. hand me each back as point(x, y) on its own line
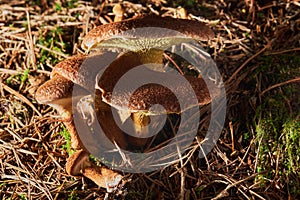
point(245, 155)
point(280, 84)
point(31, 46)
point(224, 192)
point(52, 51)
point(232, 137)
point(284, 51)
point(182, 176)
point(10, 71)
point(174, 63)
point(20, 96)
point(247, 61)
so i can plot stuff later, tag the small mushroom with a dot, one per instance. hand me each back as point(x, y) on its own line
point(79, 164)
point(58, 93)
point(141, 100)
point(118, 12)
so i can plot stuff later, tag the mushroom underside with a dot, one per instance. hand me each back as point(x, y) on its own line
point(173, 28)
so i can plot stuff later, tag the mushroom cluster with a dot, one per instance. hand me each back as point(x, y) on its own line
point(142, 47)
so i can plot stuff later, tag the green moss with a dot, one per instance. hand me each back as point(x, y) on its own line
point(22, 196)
point(70, 4)
point(277, 121)
point(65, 133)
point(19, 77)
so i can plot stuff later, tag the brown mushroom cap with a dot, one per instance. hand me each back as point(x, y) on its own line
point(150, 94)
point(74, 70)
point(77, 162)
point(147, 95)
point(61, 83)
point(123, 34)
point(57, 88)
point(69, 68)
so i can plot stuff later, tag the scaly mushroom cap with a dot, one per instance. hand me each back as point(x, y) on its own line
point(124, 34)
point(61, 83)
point(74, 70)
point(58, 88)
point(150, 94)
point(69, 68)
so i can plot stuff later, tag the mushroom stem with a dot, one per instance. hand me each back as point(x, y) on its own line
point(140, 125)
point(80, 164)
point(103, 177)
point(152, 56)
point(74, 137)
point(108, 123)
point(141, 122)
point(118, 12)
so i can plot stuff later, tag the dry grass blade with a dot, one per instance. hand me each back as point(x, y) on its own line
point(224, 192)
point(52, 51)
point(20, 96)
point(284, 51)
point(234, 75)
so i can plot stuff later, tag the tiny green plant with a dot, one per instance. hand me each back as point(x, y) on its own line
point(199, 189)
point(58, 7)
point(53, 41)
point(65, 133)
point(18, 77)
point(73, 195)
point(22, 196)
point(71, 4)
point(24, 76)
point(9, 79)
point(291, 138)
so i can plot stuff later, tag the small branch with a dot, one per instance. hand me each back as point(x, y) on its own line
point(284, 51)
point(280, 84)
point(20, 96)
point(247, 61)
point(52, 51)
